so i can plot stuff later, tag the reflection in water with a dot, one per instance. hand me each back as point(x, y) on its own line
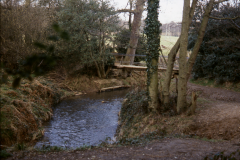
point(83, 120)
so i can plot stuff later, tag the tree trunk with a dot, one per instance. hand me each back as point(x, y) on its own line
point(170, 64)
point(171, 59)
point(152, 31)
point(98, 69)
point(186, 68)
point(182, 83)
point(134, 32)
point(153, 88)
point(130, 15)
point(199, 40)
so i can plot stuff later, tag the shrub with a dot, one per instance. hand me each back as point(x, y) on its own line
point(219, 54)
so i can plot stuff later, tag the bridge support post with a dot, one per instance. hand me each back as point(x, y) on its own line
point(124, 73)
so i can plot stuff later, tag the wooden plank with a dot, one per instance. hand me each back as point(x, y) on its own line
point(112, 88)
point(132, 67)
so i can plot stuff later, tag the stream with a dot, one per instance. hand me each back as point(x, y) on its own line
point(83, 120)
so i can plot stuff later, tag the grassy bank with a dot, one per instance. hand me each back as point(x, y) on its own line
point(135, 121)
point(211, 83)
point(216, 116)
point(23, 110)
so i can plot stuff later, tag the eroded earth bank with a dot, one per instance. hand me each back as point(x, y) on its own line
point(215, 128)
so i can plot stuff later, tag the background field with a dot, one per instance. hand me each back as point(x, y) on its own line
point(167, 43)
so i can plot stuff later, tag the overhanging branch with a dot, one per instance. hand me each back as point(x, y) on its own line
point(224, 18)
point(219, 1)
point(236, 25)
point(126, 10)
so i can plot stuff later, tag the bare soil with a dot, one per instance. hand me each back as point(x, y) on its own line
point(165, 149)
point(214, 93)
point(217, 117)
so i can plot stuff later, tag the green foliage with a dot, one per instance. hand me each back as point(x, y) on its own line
point(219, 54)
point(20, 146)
point(136, 103)
point(49, 149)
point(152, 31)
point(4, 154)
point(122, 41)
point(91, 25)
point(83, 148)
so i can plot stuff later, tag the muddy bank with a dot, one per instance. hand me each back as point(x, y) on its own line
point(88, 84)
point(208, 139)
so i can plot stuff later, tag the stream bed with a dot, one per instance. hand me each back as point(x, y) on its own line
point(83, 120)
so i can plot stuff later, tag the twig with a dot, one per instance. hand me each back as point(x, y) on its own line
point(224, 18)
point(40, 63)
point(58, 75)
point(163, 57)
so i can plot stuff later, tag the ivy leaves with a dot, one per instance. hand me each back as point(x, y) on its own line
point(152, 30)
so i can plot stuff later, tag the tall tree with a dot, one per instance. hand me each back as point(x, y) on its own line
point(130, 15)
point(182, 87)
point(139, 8)
point(152, 30)
point(185, 67)
point(171, 58)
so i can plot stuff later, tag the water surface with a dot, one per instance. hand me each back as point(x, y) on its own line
point(83, 120)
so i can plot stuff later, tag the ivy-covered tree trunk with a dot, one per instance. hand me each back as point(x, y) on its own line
point(152, 30)
point(129, 58)
point(182, 83)
point(171, 58)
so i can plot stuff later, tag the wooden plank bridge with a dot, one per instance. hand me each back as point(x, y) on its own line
point(140, 68)
point(137, 66)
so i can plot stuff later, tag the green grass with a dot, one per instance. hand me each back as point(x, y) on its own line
point(168, 42)
point(211, 83)
point(50, 149)
point(207, 139)
point(204, 82)
point(20, 146)
point(83, 148)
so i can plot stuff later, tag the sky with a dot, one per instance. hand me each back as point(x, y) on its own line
point(170, 10)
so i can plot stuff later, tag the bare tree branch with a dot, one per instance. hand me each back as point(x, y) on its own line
point(219, 1)
point(235, 24)
point(224, 18)
point(126, 10)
